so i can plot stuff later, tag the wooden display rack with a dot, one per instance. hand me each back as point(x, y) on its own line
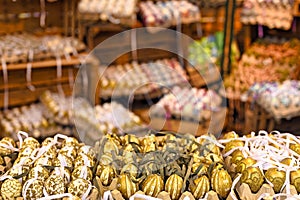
point(199, 80)
point(44, 77)
point(246, 116)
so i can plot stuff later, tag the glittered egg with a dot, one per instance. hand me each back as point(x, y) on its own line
point(11, 188)
point(87, 150)
point(150, 147)
point(213, 158)
point(233, 144)
point(173, 186)
point(8, 140)
point(33, 189)
point(237, 156)
point(244, 164)
point(200, 187)
point(70, 142)
point(110, 146)
point(79, 187)
point(132, 148)
point(106, 159)
point(126, 186)
point(63, 172)
point(18, 170)
point(295, 147)
point(84, 160)
point(48, 141)
point(295, 179)
point(129, 138)
point(276, 177)
point(26, 152)
point(288, 162)
point(199, 169)
point(23, 161)
point(253, 177)
point(69, 151)
point(153, 185)
point(106, 174)
point(38, 172)
point(4, 143)
point(221, 181)
point(62, 160)
point(83, 172)
point(43, 161)
point(4, 151)
point(55, 185)
point(30, 142)
point(230, 135)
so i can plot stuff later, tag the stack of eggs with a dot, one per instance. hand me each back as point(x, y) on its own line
point(52, 168)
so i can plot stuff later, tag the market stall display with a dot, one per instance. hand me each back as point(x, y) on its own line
point(161, 165)
point(188, 104)
point(191, 109)
point(56, 168)
point(168, 13)
point(141, 78)
point(55, 114)
point(273, 14)
point(267, 60)
point(281, 100)
point(264, 165)
point(25, 47)
point(108, 10)
point(93, 122)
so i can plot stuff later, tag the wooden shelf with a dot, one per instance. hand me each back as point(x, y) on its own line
point(45, 63)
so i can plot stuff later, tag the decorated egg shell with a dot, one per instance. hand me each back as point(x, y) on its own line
point(199, 169)
point(106, 174)
point(295, 179)
point(126, 186)
point(230, 135)
point(87, 150)
point(55, 184)
point(237, 156)
point(106, 159)
point(63, 172)
point(295, 147)
point(26, 152)
point(221, 181)
point(244, 164)
point(129, 138)
point(11, 188)
point(153, 185)
point(30, 142)
point(276, 177)
point(43, 161)
point(130, 169)
point(70, 142)
point(83, 172)
point(79, 187)
point(233, 144)
point(200, 187)
point(33, 189)
point(253, 177)
point(38, 172)
point(4, 151)
point(69, 151)
point(18, 171)
point(173, 186)
point(84, 160)
point(62, 160)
